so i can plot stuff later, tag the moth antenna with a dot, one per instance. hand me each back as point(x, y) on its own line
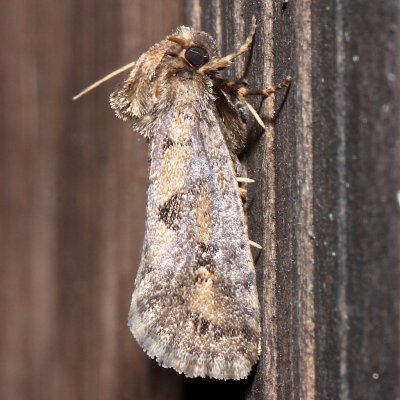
point(105, 79)
point(254, 244)
point(244, 180)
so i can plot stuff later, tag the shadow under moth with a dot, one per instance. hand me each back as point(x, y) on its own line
point(195, 306)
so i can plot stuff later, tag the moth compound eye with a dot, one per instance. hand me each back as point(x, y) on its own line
point(197, 56)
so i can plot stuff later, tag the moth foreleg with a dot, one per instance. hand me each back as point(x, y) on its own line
point(223, 62)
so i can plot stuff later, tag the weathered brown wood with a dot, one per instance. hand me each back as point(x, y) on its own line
point(324, 204)
point(358, 269)
point(73, 182)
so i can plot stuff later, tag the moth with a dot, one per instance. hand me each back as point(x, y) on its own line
point(195, 306)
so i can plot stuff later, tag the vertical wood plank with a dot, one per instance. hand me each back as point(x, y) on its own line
point(72, 204)
point(324, 203)
point(357, 174)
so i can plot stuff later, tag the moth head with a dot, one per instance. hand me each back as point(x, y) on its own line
point(195, 48)
point(184, 50)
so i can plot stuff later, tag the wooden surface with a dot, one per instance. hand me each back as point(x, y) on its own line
point(324, 204)
point(73, 181)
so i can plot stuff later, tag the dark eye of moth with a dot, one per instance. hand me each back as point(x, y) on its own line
point(196, 56)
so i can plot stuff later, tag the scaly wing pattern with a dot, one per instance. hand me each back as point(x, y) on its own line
point(196, 282)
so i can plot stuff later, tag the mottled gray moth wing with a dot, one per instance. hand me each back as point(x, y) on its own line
point(195, 306)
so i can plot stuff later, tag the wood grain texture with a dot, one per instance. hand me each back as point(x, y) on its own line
point(324, 204)
point(73, 181)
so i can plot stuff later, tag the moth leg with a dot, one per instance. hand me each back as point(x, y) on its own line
point(243, 191)
point(241, 92)
point(254, 244)
point(242, 179)
point(243, 195)
point(221, 63)
point(266, 92)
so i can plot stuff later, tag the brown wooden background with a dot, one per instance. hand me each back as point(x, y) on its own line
point(73, 182)
point(324, 206)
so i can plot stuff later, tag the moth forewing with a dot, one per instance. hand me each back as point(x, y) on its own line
point(195, 306)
